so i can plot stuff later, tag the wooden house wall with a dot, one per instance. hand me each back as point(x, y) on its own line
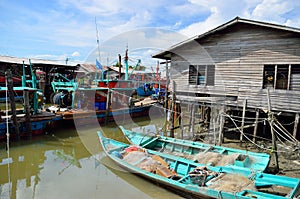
point(239, 54)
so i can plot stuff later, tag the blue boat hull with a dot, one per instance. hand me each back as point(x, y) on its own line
point(144, 93)
point(198, 150)
point(192, 179)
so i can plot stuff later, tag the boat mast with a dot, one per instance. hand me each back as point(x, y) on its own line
point(126, 63)
point(98, 46)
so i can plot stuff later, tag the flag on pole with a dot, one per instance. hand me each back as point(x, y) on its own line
point(98, 65)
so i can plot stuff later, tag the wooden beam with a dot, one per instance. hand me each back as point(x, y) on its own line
point(239, 128)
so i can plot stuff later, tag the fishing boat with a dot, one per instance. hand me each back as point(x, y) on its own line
point(146, 90)
point(106, 98)
point(203, 153)
point(195, 180)
point(29, 120)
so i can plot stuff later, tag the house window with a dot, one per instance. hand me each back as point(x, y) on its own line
point(202, 75)
point(282, 76)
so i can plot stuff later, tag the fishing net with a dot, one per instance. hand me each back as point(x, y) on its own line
point(151, 163)
point(232, 183)
point(135, 157)
point(215, 159)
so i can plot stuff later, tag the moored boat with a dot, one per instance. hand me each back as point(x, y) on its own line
point(192, 179)
point(107, 97)
point(200, 152)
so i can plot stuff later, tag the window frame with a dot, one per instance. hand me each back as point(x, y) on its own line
point(278, 69)
point(197, 72)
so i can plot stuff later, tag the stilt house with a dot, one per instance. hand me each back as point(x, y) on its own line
point(241, 64)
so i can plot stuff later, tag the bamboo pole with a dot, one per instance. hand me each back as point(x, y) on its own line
point(255, 125)
point(296, 125)
point(243, 120)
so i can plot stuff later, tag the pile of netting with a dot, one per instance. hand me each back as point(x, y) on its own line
point(215, 159)
point(153, 163)
point(231, 183)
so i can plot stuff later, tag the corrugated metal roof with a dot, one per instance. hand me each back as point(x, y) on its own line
point(89, 68)
point(166, 53)
point(16, 60)
point(86, 68)
point(123, 70)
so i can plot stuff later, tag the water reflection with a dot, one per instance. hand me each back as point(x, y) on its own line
point(60, 166)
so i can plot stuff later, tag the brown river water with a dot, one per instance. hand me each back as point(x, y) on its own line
point(70, 163)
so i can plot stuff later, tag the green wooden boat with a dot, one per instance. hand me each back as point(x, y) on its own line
point(194, 180)
point(199, 152)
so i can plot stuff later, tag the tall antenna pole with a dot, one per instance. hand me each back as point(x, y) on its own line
point(126, 64)
point(97, 35)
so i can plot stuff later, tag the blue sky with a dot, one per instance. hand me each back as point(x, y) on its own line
point(57, 29)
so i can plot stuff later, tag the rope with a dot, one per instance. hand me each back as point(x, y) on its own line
point(291, 140)
point(280, 135)
point(248, 118)
point(285, 131)
point(271, 150)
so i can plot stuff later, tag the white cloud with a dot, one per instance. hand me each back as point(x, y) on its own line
point(275, 11)
point(75, 54)
point(140, 43)
point(66, 26)
point(272, 10)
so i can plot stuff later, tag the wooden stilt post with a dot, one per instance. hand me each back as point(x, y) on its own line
point(255, 125)
point(296, 125)
point(192, 129)
point(172, 109)
point(181, 124)
point(166, 95)
point(172, 115)
point(180, 119)
point(27, 112)
point(216, 122)
point(221, 129)
point(108, 106)
point(271, 120)
point(10, 89)
point(243, 120)
point(189, 109)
